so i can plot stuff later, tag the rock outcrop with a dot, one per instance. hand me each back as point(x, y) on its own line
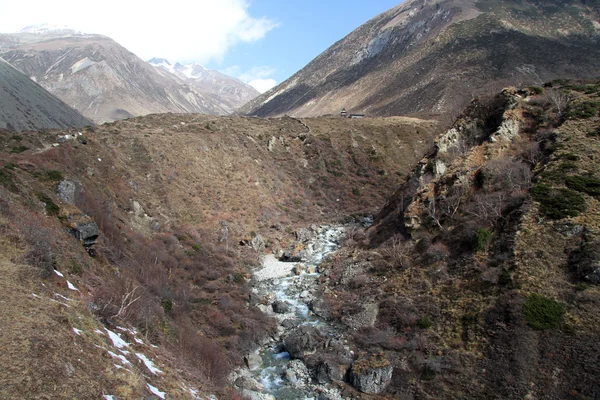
point(371, 374)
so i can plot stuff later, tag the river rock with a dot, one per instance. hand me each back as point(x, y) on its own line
point(246, 382)
point(252, 395)
point(253, 361)
point(290, 323)
point(304, 235)
point(303, 341)
point(320, 308)
point(298, 269)
point(281, 307)
point(371, 374)
point(331, 370)
point(297, 374)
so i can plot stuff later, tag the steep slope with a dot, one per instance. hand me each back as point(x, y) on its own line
point(229, 92)
point(433, 57)
point(481, 271)
point(100, 78)
point(25, 105)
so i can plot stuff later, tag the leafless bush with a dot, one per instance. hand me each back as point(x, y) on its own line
point(396, 252)
point(559, 99)
point(37, 235)
point(506, 175)
point(203, 354)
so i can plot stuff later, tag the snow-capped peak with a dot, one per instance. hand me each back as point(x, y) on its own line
point(188, 70)
point(48, 28)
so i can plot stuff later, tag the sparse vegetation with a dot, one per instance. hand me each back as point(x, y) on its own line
point(482, 239)
point(50, 206)
point(584, 184)
point(542, 312)
point(558, 203)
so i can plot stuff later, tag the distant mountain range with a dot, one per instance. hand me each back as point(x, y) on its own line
point(434, 56)
point(25, 105)
point(230, 92)
point(106, 82)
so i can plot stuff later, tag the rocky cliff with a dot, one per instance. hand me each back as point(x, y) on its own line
point(485, 259)
point(433, 57)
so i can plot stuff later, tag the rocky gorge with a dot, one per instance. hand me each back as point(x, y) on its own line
point(309, 356)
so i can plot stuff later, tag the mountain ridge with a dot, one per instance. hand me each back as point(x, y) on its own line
point(433, 57)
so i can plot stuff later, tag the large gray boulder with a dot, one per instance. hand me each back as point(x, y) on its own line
point(281, 307)
point(253, 361)
point(87, 233)
point(371, 374)
point(67, 190)
point(304, 341)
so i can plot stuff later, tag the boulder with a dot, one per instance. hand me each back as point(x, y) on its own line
point(252, 395)
point(67, 190)
point(297, 374)
point(303, 341)
point(258, 243)
point(281, 307)
point(87, 233)
point(331, 370)
point(298, 269)
point(253, 361)
point(246, 382)
point(304, 235)
point(371, 374)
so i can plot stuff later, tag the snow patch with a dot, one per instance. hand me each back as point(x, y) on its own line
point(77, 331)
point(116, 340)
point(149, 364)
point(70, 286)
point(58, 273)
point(108, 397)
point(155, 391)
point(120, 357)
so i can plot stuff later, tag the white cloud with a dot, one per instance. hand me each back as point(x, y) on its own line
point(181, 30)
point(262, 85)
point(257, 77)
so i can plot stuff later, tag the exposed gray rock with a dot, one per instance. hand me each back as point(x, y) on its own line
point(67, 190)
point(87, 233)
point(252, 395)
point(246, 382)
point(258, 243)
point(281, 307)
point(303, 341)
point(371, 375)
point(569, 229)
point(303, 235)
point(253, 361)
point(297, 374)
point(320, 308)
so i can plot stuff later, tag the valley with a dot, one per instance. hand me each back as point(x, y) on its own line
point(413, 215)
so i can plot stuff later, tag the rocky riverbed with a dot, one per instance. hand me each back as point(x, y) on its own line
point(286, 367)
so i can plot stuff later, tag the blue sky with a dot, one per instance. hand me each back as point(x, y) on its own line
point(262, 42)
point(306, 28)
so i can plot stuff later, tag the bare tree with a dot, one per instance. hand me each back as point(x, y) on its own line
point(559, 99)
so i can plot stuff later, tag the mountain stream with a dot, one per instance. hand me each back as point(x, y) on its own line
point(284, 283)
